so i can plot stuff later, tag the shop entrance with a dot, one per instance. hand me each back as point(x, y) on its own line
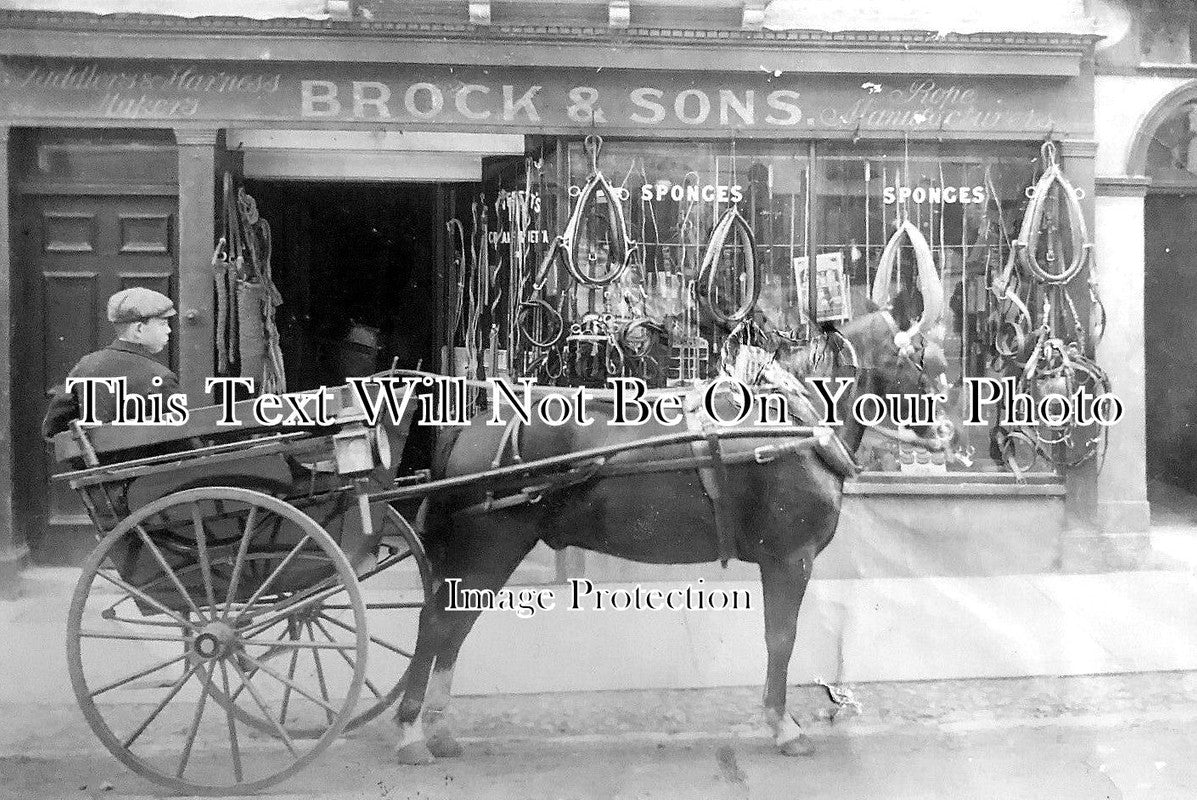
point(1171, 342)
point(356, 265)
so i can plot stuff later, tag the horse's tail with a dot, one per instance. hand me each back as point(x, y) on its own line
point(434, 520)
point(432, 526)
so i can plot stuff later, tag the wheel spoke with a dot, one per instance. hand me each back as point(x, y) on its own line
point(352, 665)
point(378, 606)
point(288, 682)
point(228, 713)
point(170, 573)
point(299, 645)
point(277, 570)
point(375, 639)
point(201, 545)
point(291, 675)
point(238, 563)
point(139, 674)
point(174, 690)
point(265, 711)
point(295, 653)
point(145, 598)
point(326, 588)
point(133, 637)
point(195, 722)
point(319, 672)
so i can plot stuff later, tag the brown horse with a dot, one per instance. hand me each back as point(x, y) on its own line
point(783, 513)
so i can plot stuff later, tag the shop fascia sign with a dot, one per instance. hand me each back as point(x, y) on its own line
point(527, 98)
point(923, 104)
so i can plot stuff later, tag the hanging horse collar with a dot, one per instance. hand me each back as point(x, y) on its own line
point(928, 281)
point(620, 253)
point(731, 223)
point(1041, 209)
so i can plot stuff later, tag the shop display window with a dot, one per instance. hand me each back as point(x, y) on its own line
point(839, 208)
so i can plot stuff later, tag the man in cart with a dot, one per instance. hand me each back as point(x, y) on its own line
point(142, 320)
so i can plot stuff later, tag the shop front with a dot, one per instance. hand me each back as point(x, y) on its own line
point(409, 205)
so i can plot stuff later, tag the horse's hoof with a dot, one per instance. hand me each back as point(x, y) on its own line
point(443, 745)
point(798, 746)
point(414, 754)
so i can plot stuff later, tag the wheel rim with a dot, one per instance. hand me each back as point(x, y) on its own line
point(194, 617)
point(393, 623)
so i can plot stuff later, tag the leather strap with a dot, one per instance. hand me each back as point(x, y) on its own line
point(713, 477)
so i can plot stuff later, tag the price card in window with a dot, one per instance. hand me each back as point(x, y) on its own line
point(831, 287)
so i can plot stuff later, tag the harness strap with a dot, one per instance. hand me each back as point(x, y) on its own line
point(510, 440)
point(713, 477)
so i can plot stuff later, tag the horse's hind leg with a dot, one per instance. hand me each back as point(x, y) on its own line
point(783, 584)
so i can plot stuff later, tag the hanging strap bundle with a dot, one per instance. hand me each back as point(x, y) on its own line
point(1050, 353)
point(247, 336)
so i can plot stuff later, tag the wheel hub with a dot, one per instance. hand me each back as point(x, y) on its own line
point(214, 640)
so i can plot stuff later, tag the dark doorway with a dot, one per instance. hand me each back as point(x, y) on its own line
point(1170, 305)
point(356, 265)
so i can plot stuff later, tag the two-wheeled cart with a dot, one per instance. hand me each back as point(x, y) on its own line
point(251, 582)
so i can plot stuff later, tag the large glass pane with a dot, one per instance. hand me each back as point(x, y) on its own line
point(967, 201)
point(673, 195)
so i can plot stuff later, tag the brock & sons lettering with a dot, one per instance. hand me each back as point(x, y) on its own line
point(476, 102)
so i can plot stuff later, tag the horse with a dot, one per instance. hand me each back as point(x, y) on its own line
point(782, 514)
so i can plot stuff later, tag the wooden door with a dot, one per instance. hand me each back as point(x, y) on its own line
point(76, 251)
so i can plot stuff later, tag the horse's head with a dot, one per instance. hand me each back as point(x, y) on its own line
point(890, 360)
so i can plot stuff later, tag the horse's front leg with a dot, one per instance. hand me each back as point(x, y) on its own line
point(783, 584)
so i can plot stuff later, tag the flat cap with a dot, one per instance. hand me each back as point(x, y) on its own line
point(138, 303)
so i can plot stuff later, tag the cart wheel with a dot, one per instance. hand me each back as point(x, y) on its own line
point(182, 603)
point(396, 589)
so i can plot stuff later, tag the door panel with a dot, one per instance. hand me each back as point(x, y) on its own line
point(76, 251)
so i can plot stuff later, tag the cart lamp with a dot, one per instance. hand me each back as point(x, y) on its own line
point(354, 450)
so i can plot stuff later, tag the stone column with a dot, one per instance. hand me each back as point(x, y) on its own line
point(1120, 513)
point(13, 550)
point(197, 236)
point(1122, 484)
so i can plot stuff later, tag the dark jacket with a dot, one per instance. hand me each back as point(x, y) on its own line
point(120, 359)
